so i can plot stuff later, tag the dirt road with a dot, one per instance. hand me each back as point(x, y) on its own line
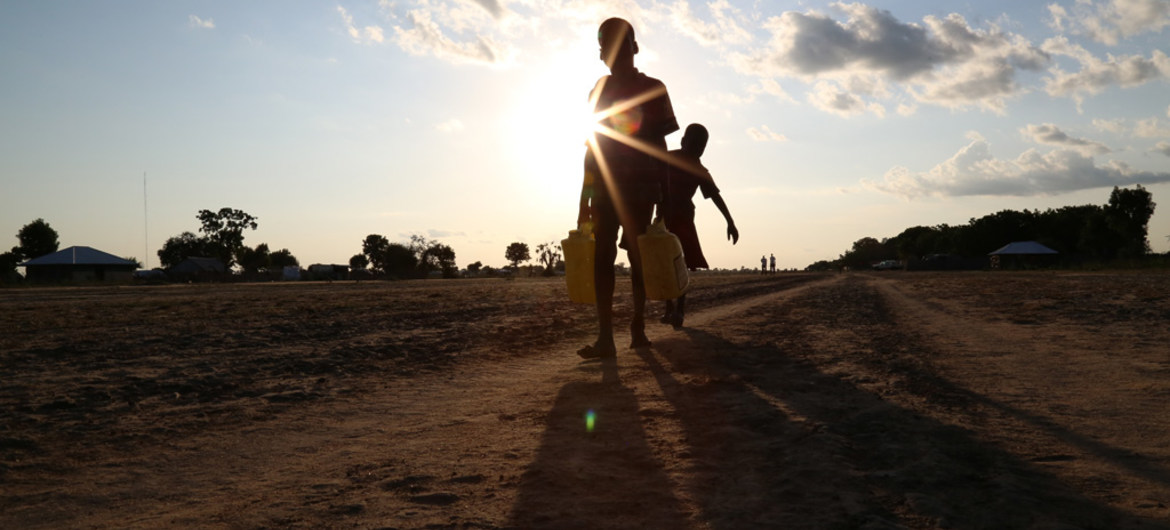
point(805, 401)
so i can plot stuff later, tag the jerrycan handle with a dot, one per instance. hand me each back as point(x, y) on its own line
point(657, 227)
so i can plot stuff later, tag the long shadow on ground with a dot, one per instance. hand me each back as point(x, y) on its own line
point(782, 436)
point(606, 477)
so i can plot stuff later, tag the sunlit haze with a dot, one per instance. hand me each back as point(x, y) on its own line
point(465, 121)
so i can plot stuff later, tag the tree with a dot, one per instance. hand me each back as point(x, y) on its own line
point(253, 260)
point(1064, 229)
point(181, 247)
point(439, 257)
point(359, 262)
point(865, 252)
point(548, 254)
point(915, 242)
point(1097, 239)
point(992, 231)
point(225, 231)
point(374, 249)
point(473, 268)
point(8, 262)
point(282, 258)
point(398, 260)
point(1128, 213)
point(419, 244)
point(36, 239)
point(517, 253)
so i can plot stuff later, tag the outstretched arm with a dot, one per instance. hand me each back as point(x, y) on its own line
point(732, 231)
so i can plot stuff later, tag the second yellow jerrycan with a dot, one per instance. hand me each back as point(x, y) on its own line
point(579, 250)
point(664, 269)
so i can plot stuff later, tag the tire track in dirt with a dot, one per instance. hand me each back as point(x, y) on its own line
point(826, 412)
point(1024, 388)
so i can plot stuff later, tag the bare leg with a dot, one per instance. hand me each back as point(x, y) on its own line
point(603, 284)
point(638, 321)
point(667, 311)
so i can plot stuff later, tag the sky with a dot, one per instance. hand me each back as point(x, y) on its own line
point(464, 120)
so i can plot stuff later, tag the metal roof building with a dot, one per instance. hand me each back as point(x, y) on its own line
point(78, 264)
point(1023, 248)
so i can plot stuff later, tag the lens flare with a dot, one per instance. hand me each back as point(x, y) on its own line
point(590, 419)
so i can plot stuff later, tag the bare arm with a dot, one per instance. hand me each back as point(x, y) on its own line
point(584, 215)
point(732, 231)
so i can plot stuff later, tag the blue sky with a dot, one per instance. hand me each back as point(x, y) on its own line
point(461, 120)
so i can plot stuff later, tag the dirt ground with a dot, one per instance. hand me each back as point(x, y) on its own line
point(884, 400)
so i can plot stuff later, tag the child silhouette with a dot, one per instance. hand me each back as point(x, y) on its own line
point(686, 175)
point(624, 175)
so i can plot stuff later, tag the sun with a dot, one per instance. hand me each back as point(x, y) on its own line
point(548, 125)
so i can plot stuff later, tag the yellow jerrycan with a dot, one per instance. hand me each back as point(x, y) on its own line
point(579, 250)
point(664, 270)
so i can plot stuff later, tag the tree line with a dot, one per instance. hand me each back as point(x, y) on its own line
point(1116, 230)
point(416, 259)
point(221, 236)
point(1087, 233)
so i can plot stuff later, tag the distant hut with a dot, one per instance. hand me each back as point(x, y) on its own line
point(324, 272)
point(1023, 255)
point(197, 270)
point(78, 264)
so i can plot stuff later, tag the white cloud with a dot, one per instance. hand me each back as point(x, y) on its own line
point(492, 32)
point(725, 28)
point(1163, 148)
point(1059, 16)
point(426, 37)
point(830, 98)
point(436, 233)
point(196, 22)
point(450, 126)
point(1109, 22)
point(1151, 128)
point(1050, 134)
point(374, 34)
point(1113, 126)
point(493, 7)
point(943, 61)
point(772, 88)
point(764, 134)
point(975, 171)
point(368, 34)
point(1095, 75)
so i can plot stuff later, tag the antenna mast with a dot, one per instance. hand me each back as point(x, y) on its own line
point(145, 228)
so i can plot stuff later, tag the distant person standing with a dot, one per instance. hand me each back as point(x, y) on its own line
point(772, 262)
point(624, 175)
point(685, 176)
point(763, 265)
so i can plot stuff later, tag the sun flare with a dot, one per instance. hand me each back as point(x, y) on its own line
point(547, 127)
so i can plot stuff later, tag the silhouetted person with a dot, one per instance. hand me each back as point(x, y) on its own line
point(763, 265)
point(772, 262)
point(686, 175)
point(624, 175)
